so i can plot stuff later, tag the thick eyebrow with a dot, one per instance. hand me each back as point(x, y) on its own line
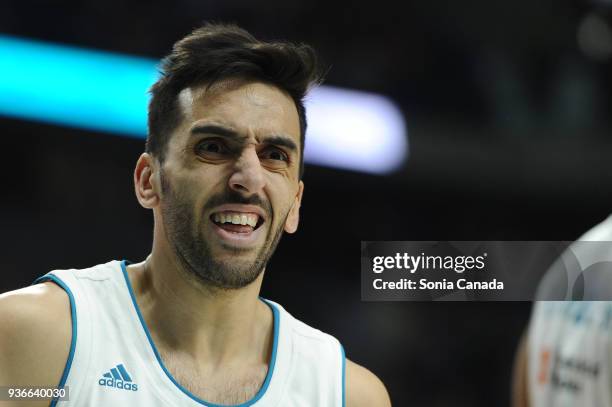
point(215, 129)
point(277, 140)
point(281, 141)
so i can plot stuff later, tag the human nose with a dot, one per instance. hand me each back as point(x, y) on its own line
point(248, 174)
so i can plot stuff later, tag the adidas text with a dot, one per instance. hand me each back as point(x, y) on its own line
point(119, 384)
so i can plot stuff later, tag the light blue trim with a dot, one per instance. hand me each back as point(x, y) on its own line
point(73, 316)
point(343, 376)
point(266, 382)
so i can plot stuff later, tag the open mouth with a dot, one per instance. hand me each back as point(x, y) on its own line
point(237, 222)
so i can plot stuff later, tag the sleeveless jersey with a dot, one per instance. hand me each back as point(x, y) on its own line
point(113, 360)
point(570, 342)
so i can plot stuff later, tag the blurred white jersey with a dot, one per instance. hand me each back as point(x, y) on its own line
point(570, 342)
point(113, 360)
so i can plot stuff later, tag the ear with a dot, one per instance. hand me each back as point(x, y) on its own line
point(293, 219)
point(145, 182)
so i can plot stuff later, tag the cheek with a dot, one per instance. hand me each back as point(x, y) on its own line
point(282, 205)
point(186, 194)
point(203, 179)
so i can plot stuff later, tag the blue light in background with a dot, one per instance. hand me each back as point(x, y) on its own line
point(75, 87)
point(107, 92)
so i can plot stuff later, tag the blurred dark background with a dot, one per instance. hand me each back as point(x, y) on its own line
point(508, 110)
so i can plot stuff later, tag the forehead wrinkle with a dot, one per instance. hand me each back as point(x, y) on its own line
point(259, 136)
point(251, 94)
point(208, 106)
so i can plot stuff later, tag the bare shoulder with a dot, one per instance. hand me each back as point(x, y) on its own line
point(35, 335)
point(363, 388)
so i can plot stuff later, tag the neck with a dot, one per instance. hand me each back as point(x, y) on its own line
point(208, 324)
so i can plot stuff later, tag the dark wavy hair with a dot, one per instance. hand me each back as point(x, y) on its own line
point(215, 52)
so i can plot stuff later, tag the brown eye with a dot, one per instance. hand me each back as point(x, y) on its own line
point(215, 147)
point(276, 155)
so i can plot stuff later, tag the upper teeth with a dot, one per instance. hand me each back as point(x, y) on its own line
point(236, 218)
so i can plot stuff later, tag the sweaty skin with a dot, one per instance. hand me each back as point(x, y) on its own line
point(204, 315)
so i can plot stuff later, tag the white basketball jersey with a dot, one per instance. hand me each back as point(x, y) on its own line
point(113, 360)
point(570, 342)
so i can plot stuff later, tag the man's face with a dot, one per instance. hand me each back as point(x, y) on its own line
point(229, 182)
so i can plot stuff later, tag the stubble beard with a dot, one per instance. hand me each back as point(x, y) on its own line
point(194, 252)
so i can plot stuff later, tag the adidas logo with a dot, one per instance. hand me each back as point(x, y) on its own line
point(119, 378)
